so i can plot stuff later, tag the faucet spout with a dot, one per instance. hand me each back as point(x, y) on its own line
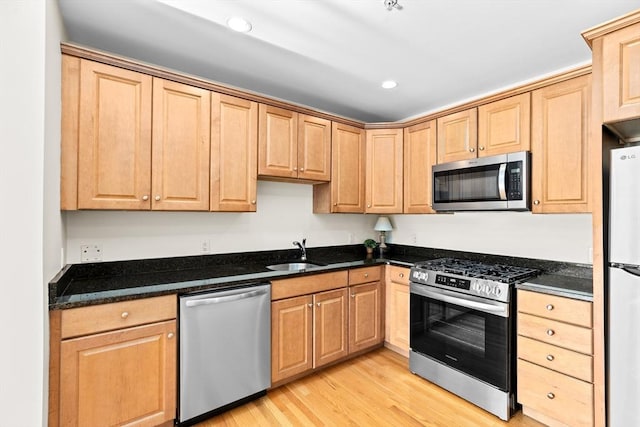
point(303, 248)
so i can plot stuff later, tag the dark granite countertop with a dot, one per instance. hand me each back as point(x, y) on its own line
point(560, 285)
point(96, 283)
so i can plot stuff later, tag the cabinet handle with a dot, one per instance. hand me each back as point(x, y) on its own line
point(353, 295)
point(301, 169)
point(145, 198)
point(550, 332)
point(124, 314)
point(401, 275)
point(335, 204)
point(536, 202)
point(472, 150)
point(310, 305)
point(481, 148)
point(550, 357)
point(253, 202)
point(551, 395)
point(368, 206)
point(318, 304)
point(366, 275)
point(170, 335)
point(549, 307)
point(295, 169)
point(157, 198)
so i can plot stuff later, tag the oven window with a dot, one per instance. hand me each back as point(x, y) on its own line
point(469, 340)
point(467, 185)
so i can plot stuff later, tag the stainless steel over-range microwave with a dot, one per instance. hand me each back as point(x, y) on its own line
point(501, 182)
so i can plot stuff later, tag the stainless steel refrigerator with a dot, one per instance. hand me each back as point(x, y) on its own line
point(623, 373)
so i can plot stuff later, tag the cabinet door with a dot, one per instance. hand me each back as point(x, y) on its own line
point(277, 142)
point(234, 153)
point(331, 314)
point(504, 126)
point(560, 146)
point(345, 192)
point(458, 136)
point(291, 337)
point(397, 308)
point(181, 142)
point(314, 148)
point(365, 316)
point(114, 138)
point(621, 74)
point(122, 377)
point(384, 171)
point(419, 157)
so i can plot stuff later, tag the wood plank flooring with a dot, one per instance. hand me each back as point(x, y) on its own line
point(376, 389)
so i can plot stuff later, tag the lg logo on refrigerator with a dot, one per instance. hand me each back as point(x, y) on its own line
point(629, 157)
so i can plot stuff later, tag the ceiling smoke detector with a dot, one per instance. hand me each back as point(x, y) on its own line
point(392, 4)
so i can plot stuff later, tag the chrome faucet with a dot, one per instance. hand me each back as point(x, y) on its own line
point(303, 248)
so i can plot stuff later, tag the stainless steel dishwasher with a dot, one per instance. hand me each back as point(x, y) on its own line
point(225, 349)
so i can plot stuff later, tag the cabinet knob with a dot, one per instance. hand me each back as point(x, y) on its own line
point(295, 169)
point(472, 150)
point(536, 202)
point(157, 198)
point(551, 395)
point(481, 148)
point(335, 204)
point(170, 335)
point(124, 314)
point(550, 332)
point(368, 206)
point(401, 275)
point(366, 275)
point(353, 295)
point(310, 305)
point(550, 357)
point(549, 307)
point(253, 202)
point(318, 304)
point(301, 169)
point(145, 198)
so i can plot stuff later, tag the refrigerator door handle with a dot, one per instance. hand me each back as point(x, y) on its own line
point(632, 270)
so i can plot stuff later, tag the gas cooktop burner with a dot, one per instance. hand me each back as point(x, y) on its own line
point(462, 267)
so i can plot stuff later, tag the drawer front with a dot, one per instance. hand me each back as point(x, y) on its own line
point(559, 359)
point(558, 396)
point(117, 315)
point(557, 333)
point(305, 285)
point(364, 275)
point(398, 275)
point(557, 308)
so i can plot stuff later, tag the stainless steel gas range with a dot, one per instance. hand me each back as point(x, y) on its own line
point(462, 329)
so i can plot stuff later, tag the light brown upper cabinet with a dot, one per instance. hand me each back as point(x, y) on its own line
point(293, 146)
point(234, 153)
point(504, 126)
point(458, 136)
point(107, 145)
point(345, 192)
point(419, 156)
point(560, 146)
point(384, 171)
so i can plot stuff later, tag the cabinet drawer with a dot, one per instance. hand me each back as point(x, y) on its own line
point(117, 315)
point(398, 275)
point(558, 396)
point(559, 359)
point(364, 275)
point(287, 288)
point(556, 308)
point(557, 333)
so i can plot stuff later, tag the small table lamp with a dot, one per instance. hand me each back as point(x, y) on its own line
point(383, 225)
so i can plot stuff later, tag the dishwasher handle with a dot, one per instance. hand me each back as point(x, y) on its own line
point(226, 298)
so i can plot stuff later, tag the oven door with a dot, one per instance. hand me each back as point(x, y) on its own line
point(468, 333)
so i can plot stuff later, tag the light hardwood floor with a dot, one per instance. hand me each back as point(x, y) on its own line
point(376, 389)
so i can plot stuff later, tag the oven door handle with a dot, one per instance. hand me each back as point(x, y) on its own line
point(500, 310)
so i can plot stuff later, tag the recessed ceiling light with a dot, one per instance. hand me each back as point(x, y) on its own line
point(239, 24)
point(389, 84)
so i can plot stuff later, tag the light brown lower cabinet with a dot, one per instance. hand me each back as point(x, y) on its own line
point(397, 309)
point(366, 308)
point(117, 366)
point(555, 362)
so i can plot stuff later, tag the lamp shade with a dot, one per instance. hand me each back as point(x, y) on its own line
point(383, 224)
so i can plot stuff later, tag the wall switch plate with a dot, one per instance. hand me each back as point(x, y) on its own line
point(91, 253)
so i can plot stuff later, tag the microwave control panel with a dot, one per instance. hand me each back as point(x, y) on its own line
point(514, 173)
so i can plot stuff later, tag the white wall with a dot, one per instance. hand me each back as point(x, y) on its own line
point(285, 214)
point(565, 237)
point(22, 130)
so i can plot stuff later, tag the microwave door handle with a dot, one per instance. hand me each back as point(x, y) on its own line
point(502, 181)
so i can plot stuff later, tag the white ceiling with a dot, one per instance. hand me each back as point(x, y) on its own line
point(332, 55)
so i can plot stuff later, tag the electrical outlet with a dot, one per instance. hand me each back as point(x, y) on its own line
point(204, 248)
point(90, 253)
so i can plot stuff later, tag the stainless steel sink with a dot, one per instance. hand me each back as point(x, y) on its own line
point(292, 266)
